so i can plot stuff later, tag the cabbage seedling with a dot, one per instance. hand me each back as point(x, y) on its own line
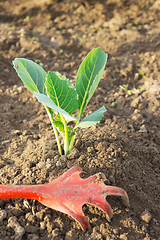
point(61, 97)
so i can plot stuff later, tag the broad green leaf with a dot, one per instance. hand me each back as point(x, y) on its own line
point(32, 75)
point(61, 91)
point(49, 103)
point(89, 75)
point(92, 119)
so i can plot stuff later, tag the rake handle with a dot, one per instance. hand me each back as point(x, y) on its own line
point(21, 191)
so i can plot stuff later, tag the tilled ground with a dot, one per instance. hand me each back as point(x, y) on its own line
point(125, 146)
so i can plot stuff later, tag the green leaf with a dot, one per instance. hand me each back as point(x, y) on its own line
point(92, 119)
point(49, 103)
point(61, 91)
point(89, 75)
point(32, 75)
point(60, 127)
point(58, 123)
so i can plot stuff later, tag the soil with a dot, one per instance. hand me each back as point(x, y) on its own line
point(125, 145)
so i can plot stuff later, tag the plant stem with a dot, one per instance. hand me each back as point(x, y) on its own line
point(66, 140)
point(57, 139)
point(55, 130)
point(72, 141)
point(73, 137)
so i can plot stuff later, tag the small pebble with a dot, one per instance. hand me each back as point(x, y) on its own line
point(19, 231)
point(63, 158)
point(146, 216)
point(48, 165)
point(136, 76)
point(42, 225)
point(40, 215)
point(40, 165)
point(55, 232)
point(25, 121)
point(135, 102)
point(3, 215)
point(25, 132)
point(142, 128)
point(15, 132)
point(58, 164)
point(6, 70)
point(147, 237)
point(123, 236)
point(56, 158)
point(19, 89)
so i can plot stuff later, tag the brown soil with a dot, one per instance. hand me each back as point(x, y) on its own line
point(125, 146)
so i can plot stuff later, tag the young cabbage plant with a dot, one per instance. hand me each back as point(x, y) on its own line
point(61, 98)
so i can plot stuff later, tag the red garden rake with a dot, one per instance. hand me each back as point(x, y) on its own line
point(68, 193)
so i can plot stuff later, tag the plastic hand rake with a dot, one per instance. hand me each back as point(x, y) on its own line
point(68, 193)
